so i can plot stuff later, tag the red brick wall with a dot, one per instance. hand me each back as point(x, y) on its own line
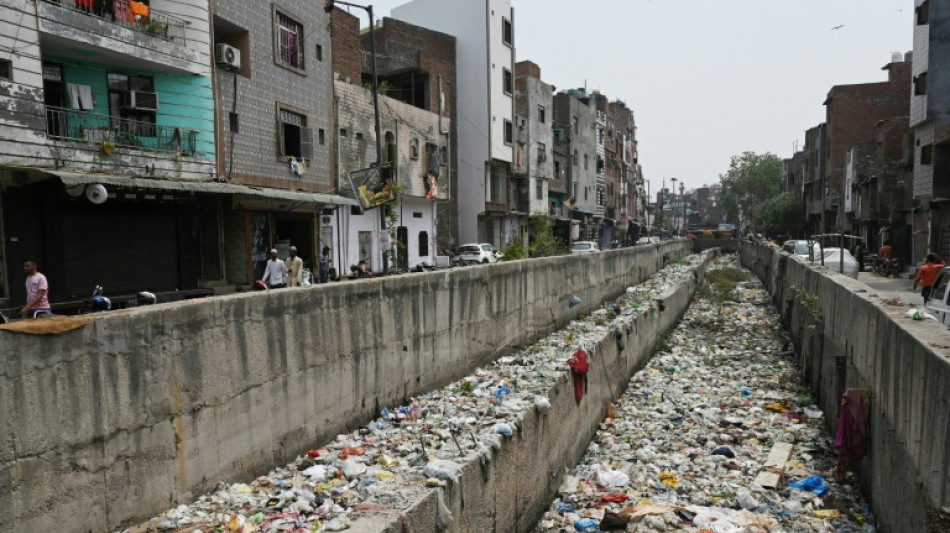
point(345, 32)
point(436, 55)
point(527, 68)
point(853, 112)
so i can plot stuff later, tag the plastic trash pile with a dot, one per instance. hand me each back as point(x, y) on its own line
point(386, 466)
point(714, 435)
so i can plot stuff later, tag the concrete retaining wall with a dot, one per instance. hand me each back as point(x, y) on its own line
point(146, 408)
point(510, 493)
point(849, 337)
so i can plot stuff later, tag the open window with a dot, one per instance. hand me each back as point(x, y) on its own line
point(296, 139)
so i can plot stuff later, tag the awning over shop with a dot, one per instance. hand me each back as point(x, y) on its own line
point(71, 179)
point(580, 214)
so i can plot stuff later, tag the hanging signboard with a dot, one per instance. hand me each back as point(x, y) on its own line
point(370, 189)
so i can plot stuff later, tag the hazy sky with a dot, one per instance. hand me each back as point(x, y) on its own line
point(708, 79)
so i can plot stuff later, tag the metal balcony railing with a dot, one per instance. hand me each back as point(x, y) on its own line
point(105, 130)
point(124, 13)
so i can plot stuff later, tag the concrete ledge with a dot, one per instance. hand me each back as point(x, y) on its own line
point(852, 338)
point(146, 408)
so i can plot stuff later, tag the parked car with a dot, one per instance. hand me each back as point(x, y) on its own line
point(800, 248)
point(833, 258)
point(584, 247)
point(939, 303)
point(648, 240)
point(479, 253)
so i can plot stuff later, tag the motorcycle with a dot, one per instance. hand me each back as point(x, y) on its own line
point(887, 267)
point(97, 303)
point(361, 270)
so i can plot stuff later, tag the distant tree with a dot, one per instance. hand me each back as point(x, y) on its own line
point(782, 214)
point(751, 180)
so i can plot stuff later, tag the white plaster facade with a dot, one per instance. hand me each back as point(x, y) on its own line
point(483, 106)
point(415, 134)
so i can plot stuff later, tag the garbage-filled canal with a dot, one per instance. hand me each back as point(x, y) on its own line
point(714, 435)
point(710, 436)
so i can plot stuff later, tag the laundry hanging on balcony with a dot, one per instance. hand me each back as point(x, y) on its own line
point(139, 10)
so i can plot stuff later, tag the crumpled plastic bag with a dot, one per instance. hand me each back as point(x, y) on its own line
point(444, 516)
point(612, 479)
point(444, 470)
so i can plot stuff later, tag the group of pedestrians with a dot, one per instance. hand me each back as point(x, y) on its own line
point(290, 272)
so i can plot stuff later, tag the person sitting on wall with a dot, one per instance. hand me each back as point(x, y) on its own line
point(927, 275)
point(275, 274)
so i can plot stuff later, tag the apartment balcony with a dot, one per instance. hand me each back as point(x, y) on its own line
point(105, 133)
point(112, 33)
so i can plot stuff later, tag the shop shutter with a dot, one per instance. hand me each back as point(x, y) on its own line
point(123, 252)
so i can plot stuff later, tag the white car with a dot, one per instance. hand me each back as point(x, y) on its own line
point(800, 249)
point(584, 247)
point(479, 253)
point(833, 258)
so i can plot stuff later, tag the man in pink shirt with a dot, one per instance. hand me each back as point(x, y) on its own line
point(37, 291)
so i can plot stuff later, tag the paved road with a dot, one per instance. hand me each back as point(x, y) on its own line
point(893, 287)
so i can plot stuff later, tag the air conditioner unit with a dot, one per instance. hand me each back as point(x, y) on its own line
point(227, 56)
point(325, 220)
point(142, 101)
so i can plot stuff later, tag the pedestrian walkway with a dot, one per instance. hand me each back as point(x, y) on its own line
point(713, 434)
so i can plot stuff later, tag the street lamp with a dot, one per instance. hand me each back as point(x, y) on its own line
point(683, 201)
point(328, 7)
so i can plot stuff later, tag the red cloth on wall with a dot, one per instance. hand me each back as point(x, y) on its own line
point(852, 435)
point(579, 364)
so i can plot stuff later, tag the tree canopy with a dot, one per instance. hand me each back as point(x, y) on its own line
point(782, 214)
point(751, 180)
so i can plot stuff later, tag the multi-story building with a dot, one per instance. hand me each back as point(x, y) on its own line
point(853, 112)
point(603, 223)
point(416, 65)
point(484, 31)
point(273, 87)
point(930, 122)
point(813, 180)
point(416, 143)
point(575, 122)
point(629, 195)
point(534, 139)
point(107, 156)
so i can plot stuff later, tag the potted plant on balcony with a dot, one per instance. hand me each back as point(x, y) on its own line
point(107, 147)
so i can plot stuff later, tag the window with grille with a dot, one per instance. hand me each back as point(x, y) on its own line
point(508, 132)
point(296, 139)
point(506, 81)
point(290, 45)
point(506, 31)
point(541, 114)
point(6, 69)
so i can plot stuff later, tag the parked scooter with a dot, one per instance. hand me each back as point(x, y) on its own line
point(97, 303)
point(361, 270)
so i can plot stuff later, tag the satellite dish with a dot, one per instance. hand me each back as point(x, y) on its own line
point(75, 191)
point(97, 194)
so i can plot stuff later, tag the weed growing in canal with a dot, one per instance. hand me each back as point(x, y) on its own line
point(664, 345)
point(720, 286)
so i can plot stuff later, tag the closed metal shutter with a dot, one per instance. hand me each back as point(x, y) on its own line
point(123, 252)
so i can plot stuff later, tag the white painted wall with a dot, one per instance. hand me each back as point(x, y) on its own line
point(478, 87)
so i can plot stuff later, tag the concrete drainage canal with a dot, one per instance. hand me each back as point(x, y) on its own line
point(711, 434)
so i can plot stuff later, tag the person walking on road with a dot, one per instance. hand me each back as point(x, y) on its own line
point(927, 275)
point(37, 292)
point(324, 262)
point(275, 274)
point(294, 269)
